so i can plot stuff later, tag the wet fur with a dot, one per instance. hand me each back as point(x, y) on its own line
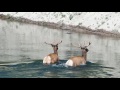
point(76, 61)
point(50, 59)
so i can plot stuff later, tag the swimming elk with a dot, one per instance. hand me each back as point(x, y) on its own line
point(79, 60)
point(53, 57)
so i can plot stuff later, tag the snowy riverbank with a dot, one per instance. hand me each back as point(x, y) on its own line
point(97, 22)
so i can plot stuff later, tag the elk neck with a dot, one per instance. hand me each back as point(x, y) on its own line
point(84, 54)
point(55, 51)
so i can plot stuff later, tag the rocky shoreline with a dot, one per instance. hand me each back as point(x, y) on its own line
point(80, 29)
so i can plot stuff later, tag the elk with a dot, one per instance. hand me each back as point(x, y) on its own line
point(79, 60)
point(53, 57)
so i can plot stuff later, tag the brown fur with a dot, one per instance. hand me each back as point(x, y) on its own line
point(54, 57)
point(78, 60)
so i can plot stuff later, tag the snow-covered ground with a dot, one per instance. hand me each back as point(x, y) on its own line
point(109, 21)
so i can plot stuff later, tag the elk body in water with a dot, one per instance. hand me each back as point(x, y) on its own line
point(78, 60)
point(53, 57)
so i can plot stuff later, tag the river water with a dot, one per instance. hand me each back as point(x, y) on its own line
point(22, 50)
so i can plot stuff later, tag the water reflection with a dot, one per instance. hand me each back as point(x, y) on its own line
point(24, 42)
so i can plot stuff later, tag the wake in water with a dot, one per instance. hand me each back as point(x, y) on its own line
point(59, 65)
point(63, 64)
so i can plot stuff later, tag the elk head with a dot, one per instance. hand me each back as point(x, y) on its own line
point(83, 47)
point(54, 45)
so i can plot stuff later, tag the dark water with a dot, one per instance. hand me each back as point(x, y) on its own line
point(22, 49)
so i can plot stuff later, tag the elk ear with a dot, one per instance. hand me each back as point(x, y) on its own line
point(82, 48)
point(52, 45)
point(86, 50)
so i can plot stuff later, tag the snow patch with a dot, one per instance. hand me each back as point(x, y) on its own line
point(110, 21)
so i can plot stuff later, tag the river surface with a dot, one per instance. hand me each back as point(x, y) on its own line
point(22, 50)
